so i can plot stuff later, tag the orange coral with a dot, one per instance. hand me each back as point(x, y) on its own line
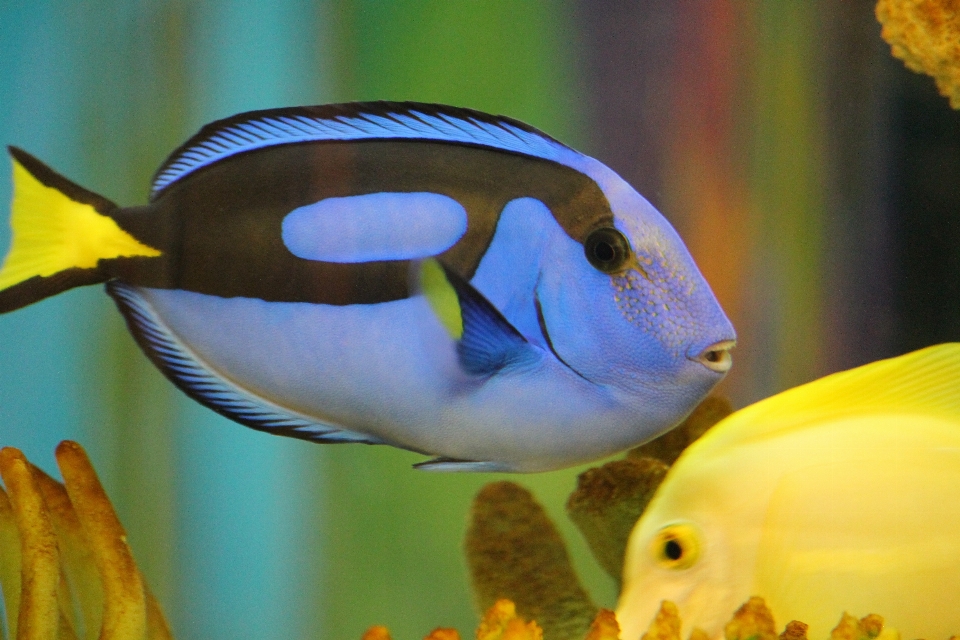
point(63, 552)
point(850, 628)
point(666, 624)
point(604, 627)
point(753, 620)
point(502, 623)
point(925, 34)
point(378, 632)
point(795, 630)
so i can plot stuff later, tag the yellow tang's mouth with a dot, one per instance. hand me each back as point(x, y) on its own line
point(717, 356)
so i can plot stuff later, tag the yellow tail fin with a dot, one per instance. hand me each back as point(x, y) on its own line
point(58, 238)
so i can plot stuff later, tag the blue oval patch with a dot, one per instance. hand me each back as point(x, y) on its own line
point(375, 226)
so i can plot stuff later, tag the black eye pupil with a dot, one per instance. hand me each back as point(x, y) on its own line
point(603, 252)
point(607, 249)
point(673, 550)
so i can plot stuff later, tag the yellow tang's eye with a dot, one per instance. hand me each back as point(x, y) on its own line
point(676, 546)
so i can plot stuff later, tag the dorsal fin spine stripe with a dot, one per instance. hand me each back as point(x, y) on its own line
point(399, 122)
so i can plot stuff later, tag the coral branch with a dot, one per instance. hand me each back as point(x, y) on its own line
point(9, 562)
point(514, 551)
point(77, 557)
point(65, 566)
point(666, 624)
point(39, 613)
point(608, 501)
point(925, 34)
point(125, 610)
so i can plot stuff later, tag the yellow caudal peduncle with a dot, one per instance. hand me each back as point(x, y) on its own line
point(52, 233)
point(442, 297)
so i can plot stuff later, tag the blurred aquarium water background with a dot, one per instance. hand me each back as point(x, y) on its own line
point(815, 180)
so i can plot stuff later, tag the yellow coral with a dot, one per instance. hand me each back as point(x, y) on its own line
point(604, 627)
point(753, 620)
point(502, 623)
point(378, 632)
point(63, 552)
point(850, 628)
point(666, 624)
point(925, 34)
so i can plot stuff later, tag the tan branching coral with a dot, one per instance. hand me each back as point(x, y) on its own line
point(65, 566)
point(514, 551)
point(925, 34)
point(608, 500)
point(668, 447)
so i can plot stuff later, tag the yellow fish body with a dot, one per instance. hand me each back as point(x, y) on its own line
point(839, 495)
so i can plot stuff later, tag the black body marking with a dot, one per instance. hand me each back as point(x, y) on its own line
point(219, 228)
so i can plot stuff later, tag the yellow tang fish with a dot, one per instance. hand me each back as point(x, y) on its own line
point(839, 495)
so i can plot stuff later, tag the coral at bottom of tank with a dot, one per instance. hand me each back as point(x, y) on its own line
point(752, 621)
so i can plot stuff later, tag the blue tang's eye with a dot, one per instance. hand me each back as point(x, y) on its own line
point(607, 249)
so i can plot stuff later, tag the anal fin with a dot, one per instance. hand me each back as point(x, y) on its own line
point(199, 381)
point(455, 465)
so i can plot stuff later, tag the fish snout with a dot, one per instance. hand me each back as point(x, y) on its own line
point(717, 356)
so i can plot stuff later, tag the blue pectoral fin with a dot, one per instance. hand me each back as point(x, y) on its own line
point(195, 378)
point(460, 466)
point(489, 343)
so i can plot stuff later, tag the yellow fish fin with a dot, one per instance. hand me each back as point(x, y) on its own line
point(925, 382)
point(442, 297)
point(57, 236)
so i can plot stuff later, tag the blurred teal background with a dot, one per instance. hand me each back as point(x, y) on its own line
point(814, 179)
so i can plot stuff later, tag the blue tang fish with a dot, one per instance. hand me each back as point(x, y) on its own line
point(433, 278)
